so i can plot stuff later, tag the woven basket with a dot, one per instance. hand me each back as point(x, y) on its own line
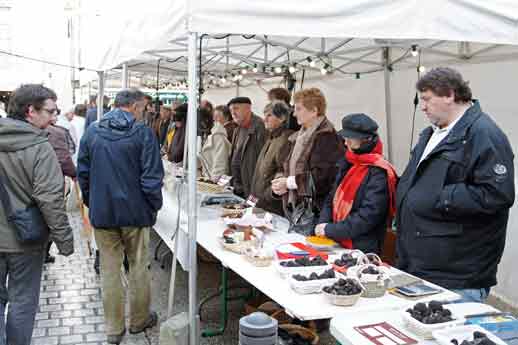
point(342, 300)
point(373, 289)
point(240, 247)
point(258, 261)
point(209, 188)
point(426, 331)
point(304, 332)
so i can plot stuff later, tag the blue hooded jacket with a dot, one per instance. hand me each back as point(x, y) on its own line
point(120, 172)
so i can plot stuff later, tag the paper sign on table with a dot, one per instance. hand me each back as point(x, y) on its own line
point(384, 334)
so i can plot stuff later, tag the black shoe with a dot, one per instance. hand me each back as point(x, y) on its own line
point(151, 322)
point(116, 338)
point(96, 263)
point(49, 259)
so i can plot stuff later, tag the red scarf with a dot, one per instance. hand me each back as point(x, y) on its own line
point(346, 191)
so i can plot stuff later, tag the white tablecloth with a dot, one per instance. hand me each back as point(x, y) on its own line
point(342, 326)
point(266, 279)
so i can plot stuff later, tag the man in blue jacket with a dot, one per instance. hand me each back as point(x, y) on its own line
point(120, 173)
point(454, 197)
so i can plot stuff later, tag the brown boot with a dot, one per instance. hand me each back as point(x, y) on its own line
point(151, 322)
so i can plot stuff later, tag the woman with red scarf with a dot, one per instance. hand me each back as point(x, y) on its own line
point(361, 204)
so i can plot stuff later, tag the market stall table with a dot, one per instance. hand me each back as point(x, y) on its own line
point(265, 279)
point(342, 326)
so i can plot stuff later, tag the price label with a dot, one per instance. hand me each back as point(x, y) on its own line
point(224, 180)
point(252, 200)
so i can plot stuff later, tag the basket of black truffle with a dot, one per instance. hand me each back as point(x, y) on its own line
point(303, 265)
point(344, 292)
point(423, 319)
point(312, 283)
point(347, 260)
point(374, 280)
point(466, 335)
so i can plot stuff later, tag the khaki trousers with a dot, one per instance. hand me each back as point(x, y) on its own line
point(112, 244)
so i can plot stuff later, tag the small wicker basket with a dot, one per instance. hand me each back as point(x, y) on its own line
point(240, 247)
point(373, 288)
point(257, 261)
point(304, 332)
point(343, 300)
point(209, 187)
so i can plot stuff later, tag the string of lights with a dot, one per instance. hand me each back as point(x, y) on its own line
point(80, 68)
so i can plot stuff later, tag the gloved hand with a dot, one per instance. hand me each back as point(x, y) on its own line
point(65, 248)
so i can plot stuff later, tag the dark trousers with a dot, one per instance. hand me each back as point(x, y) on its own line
point(20, 278)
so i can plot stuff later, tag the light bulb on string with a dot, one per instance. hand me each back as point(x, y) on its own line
point(254, 69)
point(324, 70)
point(278, 69)
point(421, 69)
point(357, 75)
point(293, 68)
point(414, 50)
point(311, 62)
point(244, 71)
point(223, 79)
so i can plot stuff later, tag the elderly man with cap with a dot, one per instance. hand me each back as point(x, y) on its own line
point(362, 202)
point(247, 142)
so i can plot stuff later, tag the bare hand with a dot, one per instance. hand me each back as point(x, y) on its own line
point(320, 229)
point(280, 186)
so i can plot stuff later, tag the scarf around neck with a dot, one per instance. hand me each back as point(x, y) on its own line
point(346, 191)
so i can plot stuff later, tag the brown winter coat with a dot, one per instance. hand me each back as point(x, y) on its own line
point(58, 141)
point(250, 152)
point(319, 157)
point(270, 162)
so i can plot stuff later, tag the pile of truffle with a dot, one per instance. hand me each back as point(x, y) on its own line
point(431, 314)
point(304, 262)
point(344, 287)
point(329, 274)
point(479, 338)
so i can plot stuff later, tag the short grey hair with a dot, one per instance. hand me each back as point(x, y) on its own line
point(127, 97)
point(280, 109)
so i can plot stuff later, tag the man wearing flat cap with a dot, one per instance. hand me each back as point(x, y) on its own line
point(247, 142)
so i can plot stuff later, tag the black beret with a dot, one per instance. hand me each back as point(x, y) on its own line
point(239, 100)
point(358, 126)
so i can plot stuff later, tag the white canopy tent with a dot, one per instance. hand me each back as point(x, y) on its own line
point(370, 39)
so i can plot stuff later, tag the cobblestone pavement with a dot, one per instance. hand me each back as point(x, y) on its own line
point(71, 310)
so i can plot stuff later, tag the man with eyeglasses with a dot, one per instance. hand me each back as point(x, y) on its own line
point(31, 175)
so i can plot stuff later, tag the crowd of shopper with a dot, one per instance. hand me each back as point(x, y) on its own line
point(449, 207)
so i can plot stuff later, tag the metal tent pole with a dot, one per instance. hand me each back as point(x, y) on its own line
point(100, 95)
point(388, 101)
point(192, 199)
point(125, 75)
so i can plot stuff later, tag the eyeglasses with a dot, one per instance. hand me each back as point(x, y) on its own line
point(50, 111)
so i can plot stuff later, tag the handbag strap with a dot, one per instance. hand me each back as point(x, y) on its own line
point(4, 197)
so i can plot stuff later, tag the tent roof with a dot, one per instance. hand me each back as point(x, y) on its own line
point(355, 33)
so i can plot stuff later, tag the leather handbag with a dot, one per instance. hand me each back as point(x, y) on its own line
point(302, 216)
point(28, 223)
